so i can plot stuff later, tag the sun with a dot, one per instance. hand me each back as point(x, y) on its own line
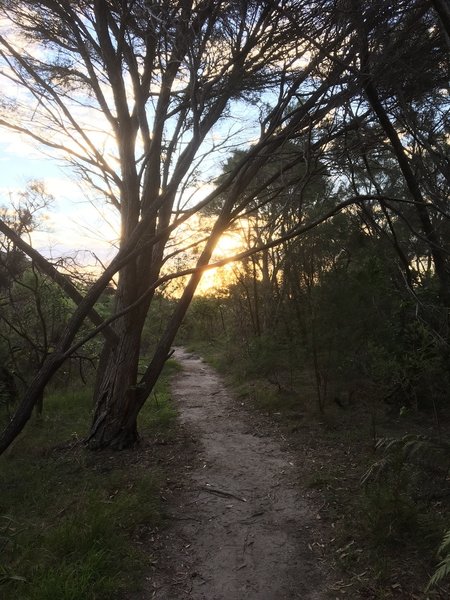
point(230, 243)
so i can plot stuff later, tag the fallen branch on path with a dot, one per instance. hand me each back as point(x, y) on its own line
point(223, 493)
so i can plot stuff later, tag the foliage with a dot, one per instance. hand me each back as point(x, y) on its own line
point(390, 516)
point(205, 320)
point(161, 134)
point(354, 166)
point(414, 465)
point(431, 456)
point(443, 568)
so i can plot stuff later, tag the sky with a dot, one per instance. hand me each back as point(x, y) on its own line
point(73, 226)
point(72, 222)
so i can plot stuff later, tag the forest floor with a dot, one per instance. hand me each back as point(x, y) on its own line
point(266, 503)
point(241, 525)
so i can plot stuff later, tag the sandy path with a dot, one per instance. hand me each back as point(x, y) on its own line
point(241, 531)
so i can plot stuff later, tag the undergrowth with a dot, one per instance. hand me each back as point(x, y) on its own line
point(70, 519)
point(386, 523)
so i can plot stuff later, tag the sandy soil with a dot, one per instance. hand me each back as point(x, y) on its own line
point(241, 528)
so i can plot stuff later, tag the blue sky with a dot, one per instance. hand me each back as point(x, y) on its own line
point(72, 223)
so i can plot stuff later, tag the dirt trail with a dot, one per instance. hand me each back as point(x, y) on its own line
point(241, 529)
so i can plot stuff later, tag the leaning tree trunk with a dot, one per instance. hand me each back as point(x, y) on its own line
point(120, 395)
point(117, 373)
point(115, 391)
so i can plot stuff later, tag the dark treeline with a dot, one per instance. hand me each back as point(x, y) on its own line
point(355, 299)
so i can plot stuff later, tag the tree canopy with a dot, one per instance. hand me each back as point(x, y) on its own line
point(145, 100)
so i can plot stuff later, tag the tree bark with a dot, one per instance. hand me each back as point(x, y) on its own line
point(116, 393)
point(443, 9)
point(117, 375)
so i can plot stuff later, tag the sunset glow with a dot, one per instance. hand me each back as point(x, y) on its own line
point(230, 243)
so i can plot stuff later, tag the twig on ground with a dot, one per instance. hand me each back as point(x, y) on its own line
point(224, 493)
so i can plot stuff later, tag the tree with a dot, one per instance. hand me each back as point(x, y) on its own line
point(409, 39)
point(34, 307)
point(160, 78)
point(24, 336)
point(166, 81)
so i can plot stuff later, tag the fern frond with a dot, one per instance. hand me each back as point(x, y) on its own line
point(386, 444)
point(442, 571)
point(443, 568)
point(445, 544)
point(415, 445)
point(375, 470)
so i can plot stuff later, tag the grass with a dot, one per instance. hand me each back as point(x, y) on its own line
point(159, 414)
point(71, 520)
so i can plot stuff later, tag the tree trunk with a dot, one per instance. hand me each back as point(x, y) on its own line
point(430, 233)
point(443, 10)
point(120, 396)
point(117, 374)
point(116, 392)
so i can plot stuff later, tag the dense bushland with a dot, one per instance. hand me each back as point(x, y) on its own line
point(354, 364)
